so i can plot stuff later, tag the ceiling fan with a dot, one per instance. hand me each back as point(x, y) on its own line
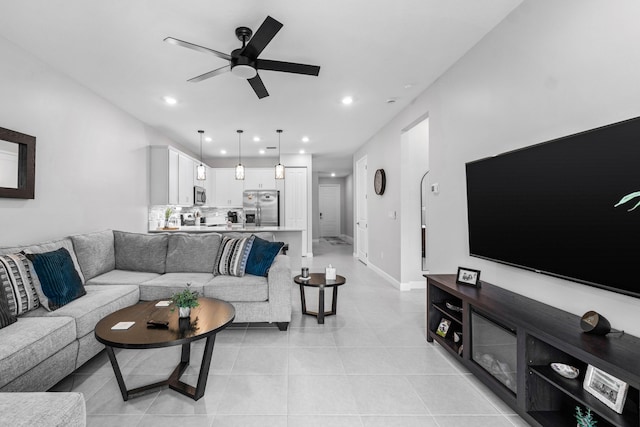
point(244, 62)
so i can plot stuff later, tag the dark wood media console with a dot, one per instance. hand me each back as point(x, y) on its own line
point(500, 328)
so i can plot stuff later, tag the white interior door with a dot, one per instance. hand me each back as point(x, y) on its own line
point(295, 202)
point(362, 234)
point(329, 206)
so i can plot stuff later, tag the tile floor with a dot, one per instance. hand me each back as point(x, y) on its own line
point(368, 366)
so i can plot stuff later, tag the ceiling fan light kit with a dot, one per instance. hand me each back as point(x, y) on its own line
point(244, 62)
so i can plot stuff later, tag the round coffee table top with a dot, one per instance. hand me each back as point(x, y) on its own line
point(211, 316)
point(318, 279)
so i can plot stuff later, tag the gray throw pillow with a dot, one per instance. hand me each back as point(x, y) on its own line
point(192, 253)
point(140, 252)
point(95, 252)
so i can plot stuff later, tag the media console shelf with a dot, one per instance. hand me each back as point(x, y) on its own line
point(508, 341)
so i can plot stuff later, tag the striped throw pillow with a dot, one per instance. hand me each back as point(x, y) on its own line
point(6, 318)
point(17, 284)
point(232, 256)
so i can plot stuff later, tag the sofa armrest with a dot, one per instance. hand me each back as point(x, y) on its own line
point(279, 282)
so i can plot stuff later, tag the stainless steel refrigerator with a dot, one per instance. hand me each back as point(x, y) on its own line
point(261, 207)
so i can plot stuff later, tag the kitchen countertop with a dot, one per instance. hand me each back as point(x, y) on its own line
point(224, 229)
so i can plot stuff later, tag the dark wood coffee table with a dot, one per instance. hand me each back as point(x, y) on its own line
point(317, 280)
point(210, 317)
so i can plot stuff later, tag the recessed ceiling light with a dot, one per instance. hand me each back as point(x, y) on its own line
point(208, 139)
point(333, 174)
point(223, 151)
point(408, 86)
point(262, 151)
point(170, 100)
point(301, 151)
point(256, 139)
point(305, 139)
point(347, 100)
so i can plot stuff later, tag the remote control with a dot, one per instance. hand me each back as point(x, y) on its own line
point(157, 324)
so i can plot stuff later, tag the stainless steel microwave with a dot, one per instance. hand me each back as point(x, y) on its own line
point(199, 195)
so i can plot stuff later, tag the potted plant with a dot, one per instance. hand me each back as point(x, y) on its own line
point(584, 419)
point(185, 301)
point(167, 215)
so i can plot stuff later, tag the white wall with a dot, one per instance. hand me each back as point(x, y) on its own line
point(347, 217)
point(550, 69)
point(415, 163)
point(91, 158)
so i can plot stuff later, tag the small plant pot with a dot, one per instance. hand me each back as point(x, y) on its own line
point(184, 311)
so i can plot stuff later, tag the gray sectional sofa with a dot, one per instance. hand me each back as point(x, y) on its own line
point(118, 269)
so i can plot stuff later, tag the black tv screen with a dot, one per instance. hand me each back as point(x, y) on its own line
point(550, 207)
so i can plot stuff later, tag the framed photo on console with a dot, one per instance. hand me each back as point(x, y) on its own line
point(443, 327)
point(468, 276)
point(606, 388)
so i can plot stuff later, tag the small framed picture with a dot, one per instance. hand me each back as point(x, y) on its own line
point(443, 327)
point(467, 276)
point(606, 388)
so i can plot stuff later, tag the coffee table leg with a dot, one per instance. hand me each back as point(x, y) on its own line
point(118, 373)
point(321, 304)
point(334, 303)
point(204, 367)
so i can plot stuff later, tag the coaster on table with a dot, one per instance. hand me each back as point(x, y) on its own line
point(120, 326)
point(163, 303)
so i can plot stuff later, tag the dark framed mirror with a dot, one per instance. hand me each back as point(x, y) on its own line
point(17, 165)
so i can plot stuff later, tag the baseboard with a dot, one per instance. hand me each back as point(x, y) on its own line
point(315, 240)
point(382, 273)
point(415, 284)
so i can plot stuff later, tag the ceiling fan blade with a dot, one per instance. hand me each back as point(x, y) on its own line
point(210, 74)
point(287, 67)
point(258, 87)
point(261, 38)
point(197, 47)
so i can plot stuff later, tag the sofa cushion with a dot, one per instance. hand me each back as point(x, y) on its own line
point(6, 317)
point(43, 409)
point(140, 252)
point(261, 256)
point(165, 286)
point(16, 284)
point(95, 252)
point(96, 304)
point(238, 289)
point(232, 256)
point(47, 247)
point(58, 277)
point(195, 253)
point(30, 341)
point(122, 277)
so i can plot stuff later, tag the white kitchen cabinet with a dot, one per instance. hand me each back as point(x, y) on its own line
point(260, 179)
point(185, 180)
point(172, 176)
point(228, 190)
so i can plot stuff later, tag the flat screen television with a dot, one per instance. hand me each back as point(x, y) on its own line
point(550, 207)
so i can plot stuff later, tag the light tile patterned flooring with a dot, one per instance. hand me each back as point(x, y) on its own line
point(368, 366)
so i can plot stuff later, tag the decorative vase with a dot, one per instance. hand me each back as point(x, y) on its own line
point(184, 311)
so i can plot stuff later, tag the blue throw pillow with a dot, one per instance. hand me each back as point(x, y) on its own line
point(58, 277)
point(261, 256)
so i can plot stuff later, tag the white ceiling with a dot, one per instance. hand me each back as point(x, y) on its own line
point(373, 50)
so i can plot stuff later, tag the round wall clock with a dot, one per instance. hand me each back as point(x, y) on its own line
point(379, 181)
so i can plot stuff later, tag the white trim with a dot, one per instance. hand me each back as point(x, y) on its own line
point(384, 275)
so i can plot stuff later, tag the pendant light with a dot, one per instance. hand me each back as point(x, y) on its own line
point(239, 168)
point(279, 166)
point(201, 171)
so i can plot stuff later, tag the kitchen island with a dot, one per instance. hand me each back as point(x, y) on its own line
point(288, 235)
